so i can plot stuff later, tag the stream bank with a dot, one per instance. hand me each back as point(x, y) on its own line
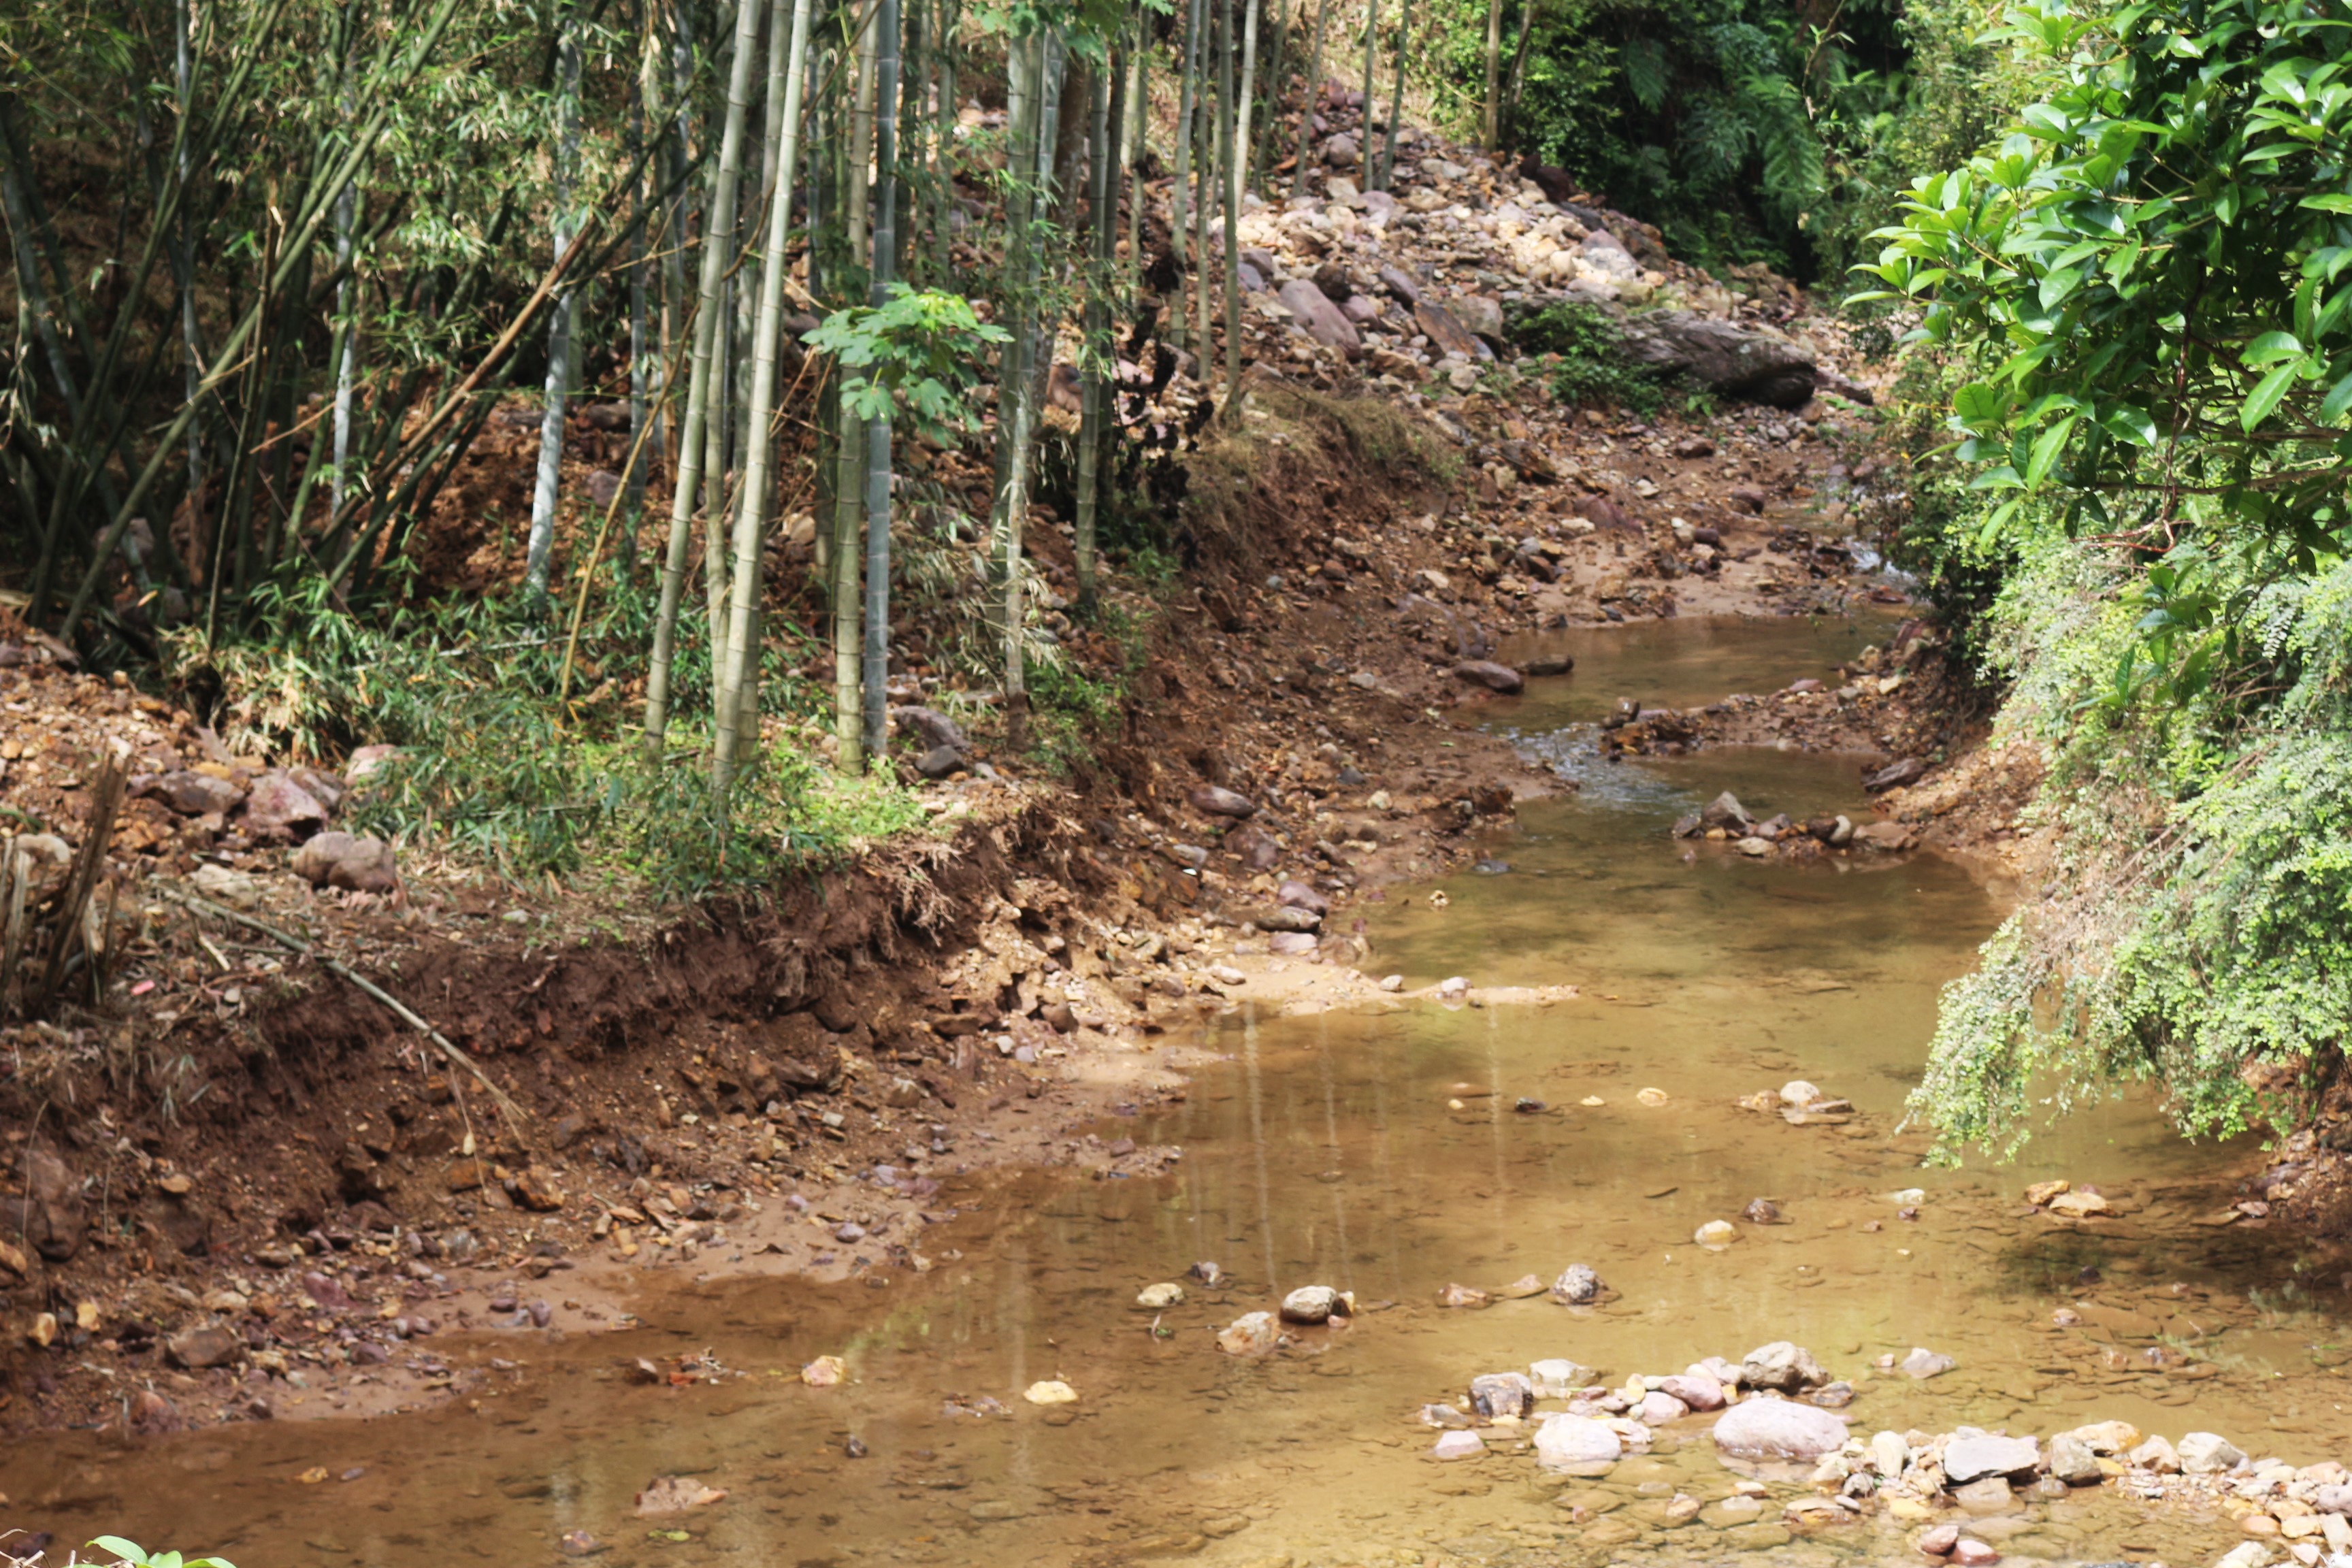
point(1590, 1096)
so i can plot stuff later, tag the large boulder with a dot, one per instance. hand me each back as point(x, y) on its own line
point(1778, 1429)
point(1733, 360)
point(1319, 318)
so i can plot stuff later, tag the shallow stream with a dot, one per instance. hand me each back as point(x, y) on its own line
point(1389, 1155)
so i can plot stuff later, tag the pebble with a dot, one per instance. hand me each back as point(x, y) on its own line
point(1157, 1296)
point(1457, 1446)
point(1716, 1234)
point(1051, 1390)
point(1974, 1554)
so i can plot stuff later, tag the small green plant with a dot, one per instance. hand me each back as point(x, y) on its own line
point(1591, 369)
point(133, 1555)
point(919, 351)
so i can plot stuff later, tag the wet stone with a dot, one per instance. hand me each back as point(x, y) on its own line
point(1312, 1304)
point(1502, 1393)
point(1925, 1364)
point(2207, 1453)
point(1696, 1390)
point(1565, 1442)
point(1578, 1284)
point(1558, 1378)
point(1989, 1496)
point(1782, 1366)
point(1778, 1429)
point(1973, 1457)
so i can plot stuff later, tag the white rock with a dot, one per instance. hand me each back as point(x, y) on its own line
point(1778, 1429)
point(1310, 1304)
point(1559, 1378)
point(1798, 1093)
point(1565, 1442)
point(1051, 1392)
point(1974, 1458)
point(1159, 1295)
point(1457, 1446)
point(2245, 1555)
point(1716, 1234)
point(2206, 1454)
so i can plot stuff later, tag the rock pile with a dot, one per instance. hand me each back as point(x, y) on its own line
point(1768, 1410)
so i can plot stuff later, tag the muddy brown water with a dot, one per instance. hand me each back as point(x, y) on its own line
point(1387, 1155)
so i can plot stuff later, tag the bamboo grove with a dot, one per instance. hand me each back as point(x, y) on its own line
point(276, 265)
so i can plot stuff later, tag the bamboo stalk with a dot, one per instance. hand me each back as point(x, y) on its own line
point(1314, 96)
point(699, 385)
point(876, 670)
point(787, 79)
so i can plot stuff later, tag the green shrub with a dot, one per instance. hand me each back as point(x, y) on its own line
point(1590, 370)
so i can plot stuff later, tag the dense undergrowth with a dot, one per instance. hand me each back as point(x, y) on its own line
point(506, 761)
point(2135, 300)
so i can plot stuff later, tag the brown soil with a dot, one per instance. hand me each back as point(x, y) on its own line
point(233, 1166)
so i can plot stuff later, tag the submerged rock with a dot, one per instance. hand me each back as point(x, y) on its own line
point(1252, 1333)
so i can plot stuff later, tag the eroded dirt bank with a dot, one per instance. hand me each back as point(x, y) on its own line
point(242, 1167)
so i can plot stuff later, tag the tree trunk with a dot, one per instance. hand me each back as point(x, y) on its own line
point(1229, 164)
point(1103, 186)
point(1493, 101)
point(877, 429)
point(736, 678)
point(1371, 30)
point(1510, 116)
point(1396, 105)
point(1314, 97)
point(563, 319)
point(1241, 103)
point(1012, 513)
point(1187, 90)
point(691, 436)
